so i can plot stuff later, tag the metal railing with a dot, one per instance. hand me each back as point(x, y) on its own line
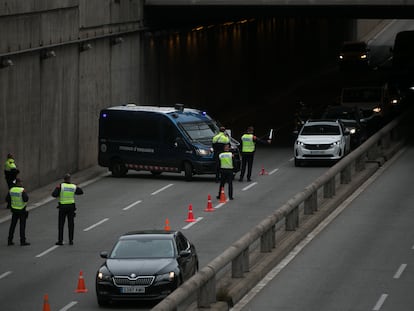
point(228, 277)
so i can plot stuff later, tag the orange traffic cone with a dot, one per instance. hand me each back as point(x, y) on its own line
point(209, 207)
point(167, 225)
point(222, 196)
point(81, 284)
point(190, 217)
point(46, 306)
point(263, 172)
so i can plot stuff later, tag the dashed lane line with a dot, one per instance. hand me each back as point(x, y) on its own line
point(3, 275)
point(131, 205)
point(95, 225)
point(400, 271)
point(162, 189)
point(47, 251)
point(380, 302)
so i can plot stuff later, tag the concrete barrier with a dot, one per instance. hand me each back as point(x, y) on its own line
point(227, 278)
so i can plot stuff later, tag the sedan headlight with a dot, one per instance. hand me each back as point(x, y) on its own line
point(104, 276)
point(169, 277)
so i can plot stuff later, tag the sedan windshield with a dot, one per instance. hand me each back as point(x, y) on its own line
point(143, 248)
point(321, 129)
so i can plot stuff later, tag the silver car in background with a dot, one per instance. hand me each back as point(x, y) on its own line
point(321, 140)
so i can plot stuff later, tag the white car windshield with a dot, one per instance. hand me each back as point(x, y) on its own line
point(321, 129)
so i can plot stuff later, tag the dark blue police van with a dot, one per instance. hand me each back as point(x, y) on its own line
point(158, 139)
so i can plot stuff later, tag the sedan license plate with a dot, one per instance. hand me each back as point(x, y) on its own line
point(133, 290)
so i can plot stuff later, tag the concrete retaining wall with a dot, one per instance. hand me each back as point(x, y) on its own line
point(49, 107)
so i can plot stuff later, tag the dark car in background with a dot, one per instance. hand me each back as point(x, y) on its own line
point(354, 54)
point(353, 121)
point(145, 265)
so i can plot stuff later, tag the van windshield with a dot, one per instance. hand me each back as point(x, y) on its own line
point(199, 131)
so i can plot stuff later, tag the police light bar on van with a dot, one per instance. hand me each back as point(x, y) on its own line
point(104, 115)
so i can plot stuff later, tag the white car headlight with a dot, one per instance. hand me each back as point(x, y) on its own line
point(337, 143)
point(299, 143)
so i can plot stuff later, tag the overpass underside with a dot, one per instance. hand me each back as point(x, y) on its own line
point(176, 15)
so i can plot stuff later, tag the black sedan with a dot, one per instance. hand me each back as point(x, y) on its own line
point(145, 265)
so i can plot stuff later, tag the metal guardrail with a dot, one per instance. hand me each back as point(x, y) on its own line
point(290, 219)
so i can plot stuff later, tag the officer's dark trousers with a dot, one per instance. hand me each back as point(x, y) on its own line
point(18, 215)
point(66, 211)
point(247, 161)
point(226, 176)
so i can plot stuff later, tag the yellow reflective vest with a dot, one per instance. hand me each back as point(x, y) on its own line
point(248, 144)
point(16, 198)
point(67, 193)
point(226, 160)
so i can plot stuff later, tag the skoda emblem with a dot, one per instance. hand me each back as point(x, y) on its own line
point(133, 275)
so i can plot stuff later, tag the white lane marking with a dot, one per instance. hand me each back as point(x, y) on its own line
point(162, 189)
point(47, 251)
point(249, 186)
point(272, 274)
point(2, 276)
point(68, 306)
point(273, 171)
point(192, 223)
point(380, 302)
point(131, 205)
point(400, 271)
point(97, 224)
point(219, 205)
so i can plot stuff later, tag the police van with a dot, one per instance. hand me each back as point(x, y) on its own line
point(158, 139)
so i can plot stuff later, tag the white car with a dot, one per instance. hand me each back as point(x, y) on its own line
point(321, 140)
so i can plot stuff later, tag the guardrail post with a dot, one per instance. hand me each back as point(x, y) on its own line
point(360, 163)
point(267, 240)
point(329, 189)
point(292, 219)
point(240, 264)
point(311, 204)
point(346, 175)
point(207, 294)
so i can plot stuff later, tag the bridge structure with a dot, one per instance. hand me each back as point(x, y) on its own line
point(188, 11)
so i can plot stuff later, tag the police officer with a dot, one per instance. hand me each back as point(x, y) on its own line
point(10, 170)
point(219, 141)
point(66, 192)
point(248, 141)
point(226, 170)
point(16, 201)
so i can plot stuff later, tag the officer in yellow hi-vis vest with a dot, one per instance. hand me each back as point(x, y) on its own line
point(226, 170)
point(219, 141)
point(16, 201)
point(66, 192)
point(10, 170)
point(248, 142)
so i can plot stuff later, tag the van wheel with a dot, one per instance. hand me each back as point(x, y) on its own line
point(188, 171)
point(118, 168)
point(297, 162)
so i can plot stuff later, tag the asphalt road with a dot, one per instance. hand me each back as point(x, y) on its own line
point(362, 260)
point(113, 206)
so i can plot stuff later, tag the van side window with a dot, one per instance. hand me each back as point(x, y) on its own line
point(169, 133)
